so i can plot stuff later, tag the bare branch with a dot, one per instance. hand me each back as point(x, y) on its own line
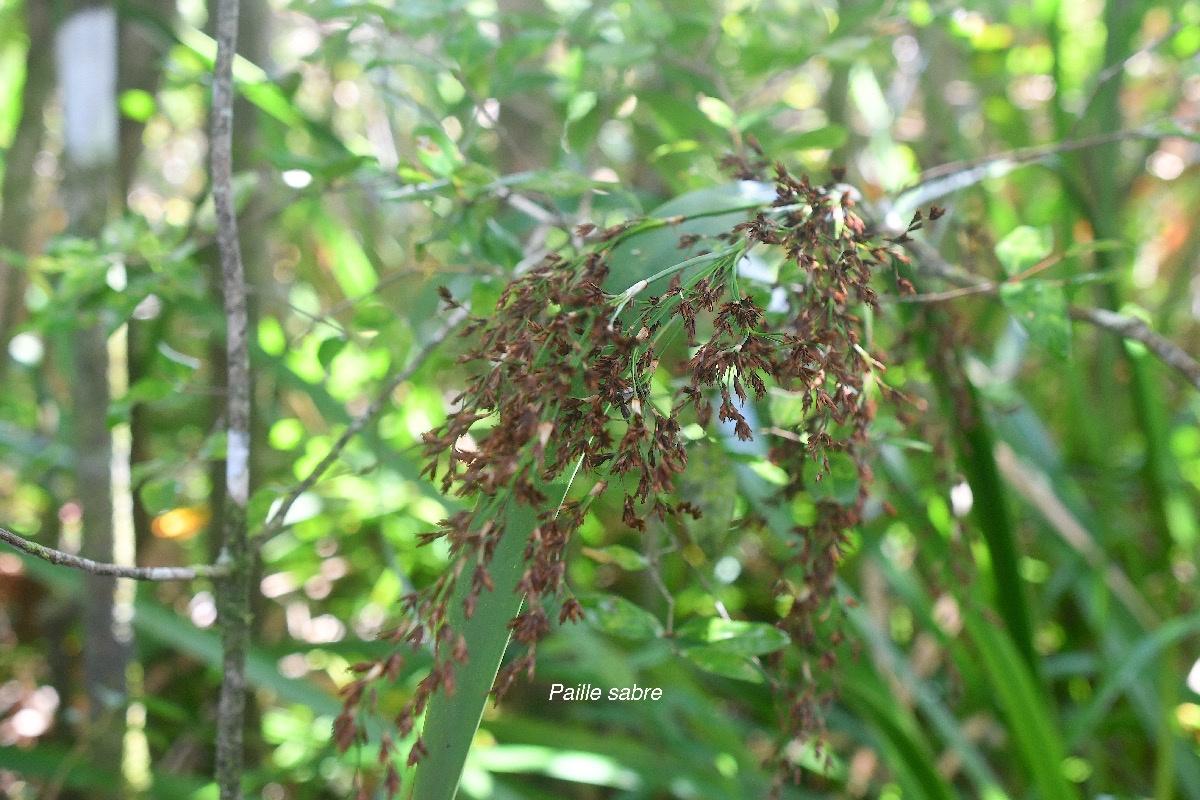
point(1026, 154)
point(1133, 328)
point(932, 263)
point(275, 523)
point(116, 570)
point(946, 179)
point(927, 298)
point(1116, 68)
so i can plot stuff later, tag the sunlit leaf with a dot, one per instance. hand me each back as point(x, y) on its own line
point(137, 104)
point(716, 110)
point(1041, 309)
point(623, 557)
point(580, 105)
point(619, 617)
point(346, 258)
point(825, 138)
point(732, 636)
point(722, 662)
point(1022, 248)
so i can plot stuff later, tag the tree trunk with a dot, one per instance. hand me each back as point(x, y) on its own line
point(86, 58)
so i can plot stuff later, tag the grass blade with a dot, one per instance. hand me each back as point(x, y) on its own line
point(910, 756)
point(1038, 743)
point(452, 720)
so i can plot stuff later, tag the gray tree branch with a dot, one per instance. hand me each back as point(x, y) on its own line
point(101, 568)
point(1171, 354)
point(233, 596)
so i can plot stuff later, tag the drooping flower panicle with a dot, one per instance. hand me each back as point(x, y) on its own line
point(559, 391)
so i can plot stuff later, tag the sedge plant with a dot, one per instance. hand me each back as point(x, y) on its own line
point(558, 412)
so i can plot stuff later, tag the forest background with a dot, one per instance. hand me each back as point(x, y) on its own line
point(1014, 608)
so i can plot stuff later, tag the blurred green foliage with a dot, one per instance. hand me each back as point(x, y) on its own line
point(1040, 647)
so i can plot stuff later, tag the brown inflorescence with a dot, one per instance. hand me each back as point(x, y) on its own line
point(560, 382)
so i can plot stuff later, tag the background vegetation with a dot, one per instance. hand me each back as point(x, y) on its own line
point(1021, 598)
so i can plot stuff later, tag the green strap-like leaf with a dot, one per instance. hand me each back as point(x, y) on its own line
point(910, 756)
point(1026, 708)
point(452, 720)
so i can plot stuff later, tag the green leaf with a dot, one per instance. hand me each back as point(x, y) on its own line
point(474, 180)
point(556, 182)
point(1038, 744)
point(624, 557)
point(1041, 309)
point(372, 315)
point(329, 350)
point(905, 749)
point(286, 433)
point(676, 119)
point(1022, 248)
point(580, 105)
point(705, 212)
point(452, 719)
point(735, 637)
point(161, 494)
point(817, 759)
point(717, 111)
point(437, 151)
point(619, 617)
point(349, 262)
point(926, 693)
point(499, 245)
point(1133, 667)
point(150, 389)
point(718, 661)
point(839, 485)
point(771, 473)
point(825, 138)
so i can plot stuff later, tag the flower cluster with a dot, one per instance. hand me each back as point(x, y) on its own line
point(560, 391)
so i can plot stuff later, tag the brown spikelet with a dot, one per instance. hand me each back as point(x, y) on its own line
point(561, 387)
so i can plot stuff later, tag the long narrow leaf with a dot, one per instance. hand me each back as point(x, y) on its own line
point(1141, 657)
point(888, 655)
point(911, 759)
point(452, 719)
point(1028, 712)
point(973, 440)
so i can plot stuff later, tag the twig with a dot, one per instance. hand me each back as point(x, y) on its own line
point(275, 523)
point(1133, 328)
point(1027, 154)
point(945, 179)
point(987, 287)
point(1115, 69)
point(116, 570)
point(1123, 325)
